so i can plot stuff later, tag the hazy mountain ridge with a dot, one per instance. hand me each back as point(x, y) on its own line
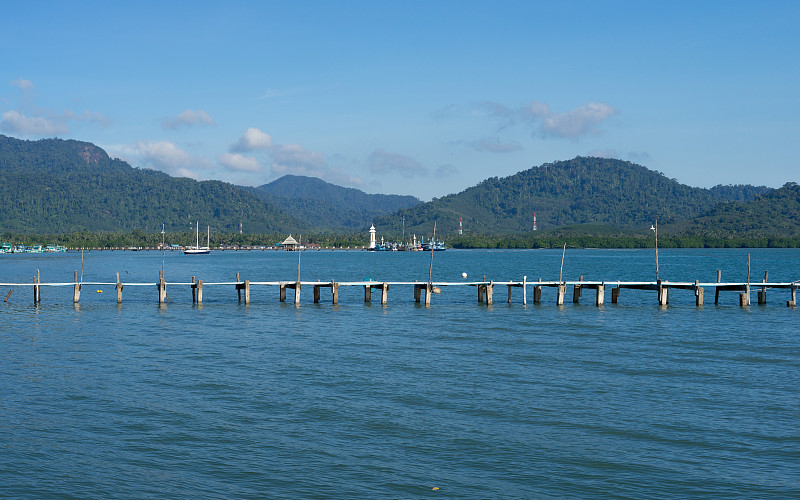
point(328, 206)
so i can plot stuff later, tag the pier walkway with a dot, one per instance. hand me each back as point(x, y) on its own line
point(423, 291)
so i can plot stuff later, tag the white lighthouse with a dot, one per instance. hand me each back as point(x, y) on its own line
point(460, 227)
point(372, 241)
point(534, 221)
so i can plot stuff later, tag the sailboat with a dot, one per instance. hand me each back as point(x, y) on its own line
point(197, 249)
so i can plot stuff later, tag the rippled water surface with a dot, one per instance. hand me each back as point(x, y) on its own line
point(270, 400)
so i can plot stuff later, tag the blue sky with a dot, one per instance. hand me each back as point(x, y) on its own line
point(423, 98)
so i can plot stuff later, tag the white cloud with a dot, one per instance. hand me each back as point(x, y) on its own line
point(22, 84)
point(575, 123)
point(384, 162)
point(16, 122)
point(188, 118)
point(544, 121)
point(169, 158)
point(252, 140)
point(235, 161)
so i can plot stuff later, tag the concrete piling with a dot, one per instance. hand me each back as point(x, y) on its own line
point(562, 290)
point(601, 291)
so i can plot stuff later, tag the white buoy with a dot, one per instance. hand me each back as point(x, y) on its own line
point(463, 275)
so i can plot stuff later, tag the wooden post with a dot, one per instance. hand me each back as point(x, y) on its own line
point(119, 290)
point(246, 291)
point(524, 290)
point(194, 290)
point(601, 291)
point(509, 293)
point(615, 294)
point(384, 293)
point(762, 294)
point(744, 299)
point(335, 292)
point(481, 290)
point(792, 302)
point(76, 294)
point(283, 292)
point(417, 291)
point(162, 289)
point(489, 291)
point(698, 294)
point(238, 288)
point(367, 293)
point(199, 291)
point(428, 291)
point(716, 290)
point(297, 293)
point(316, 293)
point(8, 295)
point(562, 290)
point(537, 293)
point(576, 292)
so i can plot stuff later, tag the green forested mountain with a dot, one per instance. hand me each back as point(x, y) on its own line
point(579, 191)
point(328, 206)
point(58, 186)
point(776, 213)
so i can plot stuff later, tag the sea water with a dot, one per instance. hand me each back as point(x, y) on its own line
point(355, 400)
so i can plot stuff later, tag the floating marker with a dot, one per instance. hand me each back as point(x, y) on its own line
point(99, 291)
point(463, 275)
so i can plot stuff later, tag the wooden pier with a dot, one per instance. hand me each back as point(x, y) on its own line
point(485, 289)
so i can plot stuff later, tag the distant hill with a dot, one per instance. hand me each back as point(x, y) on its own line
point(58, 186)
point(328, 206)
point(584, 190)
point(776, 213)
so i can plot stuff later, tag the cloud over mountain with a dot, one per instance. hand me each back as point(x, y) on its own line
point(252, 139)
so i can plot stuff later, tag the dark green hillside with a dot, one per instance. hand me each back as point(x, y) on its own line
point(776, 213)
point(328, 206)
point(579, 191)
point(58, 186)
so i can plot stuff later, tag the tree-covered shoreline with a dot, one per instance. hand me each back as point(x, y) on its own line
point(137, 238)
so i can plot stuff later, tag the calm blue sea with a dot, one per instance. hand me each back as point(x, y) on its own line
point(270, 400)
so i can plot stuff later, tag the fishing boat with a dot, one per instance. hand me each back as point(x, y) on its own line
point(197, 249)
